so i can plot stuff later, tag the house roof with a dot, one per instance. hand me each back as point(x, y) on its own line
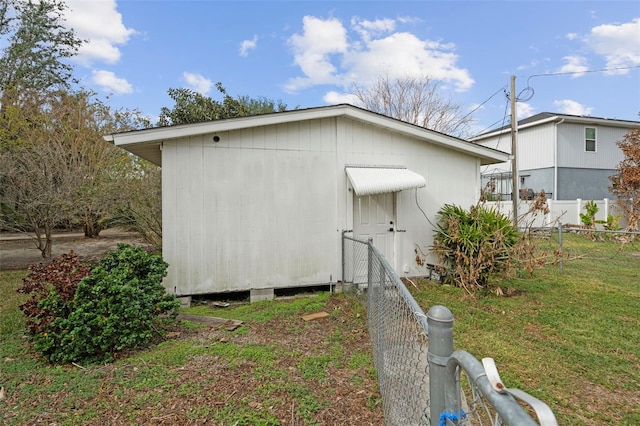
point(546, 117)
point(147, 143)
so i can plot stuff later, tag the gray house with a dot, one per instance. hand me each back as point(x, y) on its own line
point(567, 156)
point(261, 203)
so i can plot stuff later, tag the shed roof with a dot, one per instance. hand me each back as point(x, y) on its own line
point(146, 143)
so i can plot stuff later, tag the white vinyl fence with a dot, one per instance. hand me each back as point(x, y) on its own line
point(560, 211)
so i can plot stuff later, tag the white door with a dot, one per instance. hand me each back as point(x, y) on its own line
point(374, 217)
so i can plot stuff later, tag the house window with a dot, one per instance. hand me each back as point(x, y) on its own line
point(590, 139)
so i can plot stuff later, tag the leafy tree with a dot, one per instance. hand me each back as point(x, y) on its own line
point(194, 107)
point(141, 208)
point(261, 105)
point(416, 100)
point(38, 177)
point(105, 170)
point(36, 46)
point(58, 168)
point(626, 183)
point(588, 219)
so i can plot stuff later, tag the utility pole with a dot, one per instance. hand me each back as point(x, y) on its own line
point(515, 194)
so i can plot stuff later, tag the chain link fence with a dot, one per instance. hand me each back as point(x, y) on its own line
point(422, 383)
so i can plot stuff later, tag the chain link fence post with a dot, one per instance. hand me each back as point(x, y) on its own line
point(560, 265)
point(440, 323)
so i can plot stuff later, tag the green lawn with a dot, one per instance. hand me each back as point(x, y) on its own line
point(571, 339)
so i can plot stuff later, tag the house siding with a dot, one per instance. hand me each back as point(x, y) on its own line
point(535, 147)
point(586, 184)
point(571, 147)
point(557, 147)
point(537, 180)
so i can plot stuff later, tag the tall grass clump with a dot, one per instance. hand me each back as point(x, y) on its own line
point(472, 244)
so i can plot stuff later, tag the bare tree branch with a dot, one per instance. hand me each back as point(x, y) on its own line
point(416, 100)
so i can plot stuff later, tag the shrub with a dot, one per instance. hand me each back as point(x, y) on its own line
point(114, 308)
point(52, 288)
point(472, 244)
point(588, 219)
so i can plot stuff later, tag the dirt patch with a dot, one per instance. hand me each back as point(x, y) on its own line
point(211, 388)
point(18, 251)
point(207, 387)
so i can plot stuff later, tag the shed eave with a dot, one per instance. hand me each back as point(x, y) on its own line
point(130, 140)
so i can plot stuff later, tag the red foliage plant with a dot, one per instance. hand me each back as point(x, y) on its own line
point(626, 183)
point(52, 288)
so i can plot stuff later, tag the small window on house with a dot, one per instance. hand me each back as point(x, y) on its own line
point(590, 139)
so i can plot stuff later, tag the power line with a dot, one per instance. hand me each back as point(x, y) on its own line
point(581, 72)
point(502, 89)
point(503, 119)
point(528, 90)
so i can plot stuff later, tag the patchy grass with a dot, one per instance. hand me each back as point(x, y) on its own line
point(276, 369)
point(571, 339)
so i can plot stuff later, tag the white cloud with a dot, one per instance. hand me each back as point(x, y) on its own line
point(575, 64)
point(534, 63)
point(403, 54)
point(108, 82)
point(619, 44)
point(524, 110)
point(197, 82)
point(248, 45)
point(312, 50)
point(409, 20)
point(334, 98)
point(572, 36)
point(567, 106)
point(367, 29)
point(328, 54)
point(101, 24)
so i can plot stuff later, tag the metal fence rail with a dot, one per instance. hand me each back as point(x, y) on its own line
point(419, 374)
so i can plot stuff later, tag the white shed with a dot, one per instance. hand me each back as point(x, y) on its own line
point(260, 203)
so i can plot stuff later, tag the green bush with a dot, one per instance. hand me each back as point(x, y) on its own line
point(472, 244)
point(588, 219)
point(114, 308)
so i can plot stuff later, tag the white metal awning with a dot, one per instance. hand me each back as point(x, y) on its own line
point(370, 180)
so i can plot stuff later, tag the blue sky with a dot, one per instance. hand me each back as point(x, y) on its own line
point(310, 53)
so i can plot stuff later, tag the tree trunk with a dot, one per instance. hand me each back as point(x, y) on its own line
point(45, 245)
point(91, 225)
point(91, 229)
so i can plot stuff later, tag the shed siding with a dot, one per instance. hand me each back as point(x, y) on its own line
point(451, 178)
point(265, 207)
point(233, 220)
